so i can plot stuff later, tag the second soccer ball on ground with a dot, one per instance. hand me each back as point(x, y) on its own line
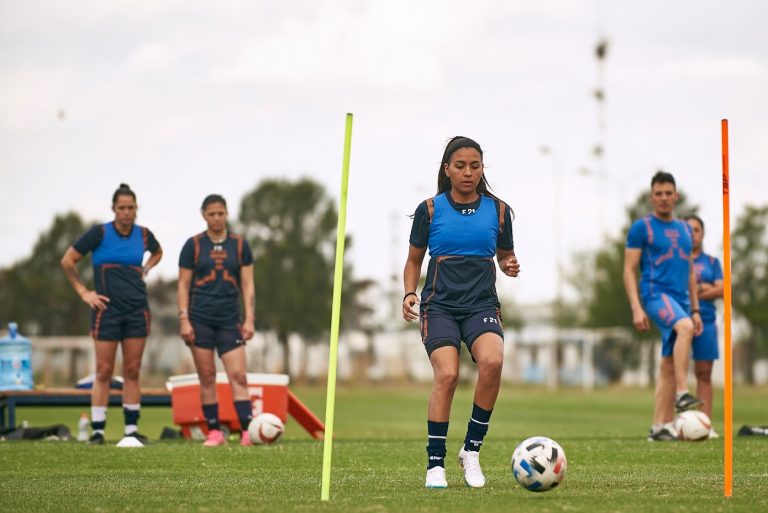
point(265, 429)
point(693, 426)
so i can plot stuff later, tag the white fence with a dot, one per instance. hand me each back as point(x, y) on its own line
point(531, 356)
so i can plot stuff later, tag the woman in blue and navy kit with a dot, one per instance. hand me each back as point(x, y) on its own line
point(119, 306)
point(464, 227)
point(215, 269)
point(709, 281)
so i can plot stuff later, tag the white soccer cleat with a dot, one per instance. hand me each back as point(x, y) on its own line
point(436, 478)
point(473, 474)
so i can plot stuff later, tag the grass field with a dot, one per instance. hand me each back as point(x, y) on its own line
point(379, 458)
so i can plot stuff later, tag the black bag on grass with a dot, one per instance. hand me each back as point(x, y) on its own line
point(57, 432)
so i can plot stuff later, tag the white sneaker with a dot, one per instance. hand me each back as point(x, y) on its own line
point(713, 433)
point(436, 478)
point(473, 474)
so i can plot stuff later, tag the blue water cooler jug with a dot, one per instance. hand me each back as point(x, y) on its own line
point(15, 361)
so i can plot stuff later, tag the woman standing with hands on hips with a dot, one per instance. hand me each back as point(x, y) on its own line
point(119, 306)
point(464, 226)
point(215, 269)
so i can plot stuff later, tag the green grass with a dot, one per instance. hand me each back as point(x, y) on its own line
point(378, 461)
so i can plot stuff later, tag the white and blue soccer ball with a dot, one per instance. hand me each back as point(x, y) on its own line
point(539, 464)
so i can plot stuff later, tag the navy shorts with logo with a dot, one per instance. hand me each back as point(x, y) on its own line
point(113, 325)
point(439, 329)
point(222, 338)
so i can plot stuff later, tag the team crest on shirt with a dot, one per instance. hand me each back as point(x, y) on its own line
point(218, 254)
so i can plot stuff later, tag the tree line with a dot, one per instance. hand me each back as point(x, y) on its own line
point(291, 226)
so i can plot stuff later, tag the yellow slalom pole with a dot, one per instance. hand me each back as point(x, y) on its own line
point(341, 233)
point(728, 388)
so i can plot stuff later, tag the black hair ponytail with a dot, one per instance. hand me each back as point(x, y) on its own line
point(123, 190)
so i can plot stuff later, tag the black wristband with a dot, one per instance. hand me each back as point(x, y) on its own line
point(408, 294)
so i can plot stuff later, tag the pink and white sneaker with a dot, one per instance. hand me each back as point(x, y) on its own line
point(214, 438)
point(245, 439)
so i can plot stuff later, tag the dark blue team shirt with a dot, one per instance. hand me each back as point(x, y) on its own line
point(708, 270)
point(117, 263)
point(665, 264)
point(461, 274)
point(215, 290)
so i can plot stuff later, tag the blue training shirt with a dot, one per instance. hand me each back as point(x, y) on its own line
point(708, 270)
point(462, 240)
point(215, 292)
point(665, 264)
point(117, 263)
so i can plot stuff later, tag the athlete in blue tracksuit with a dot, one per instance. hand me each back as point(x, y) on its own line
point(119, 306)
point(709, 278)
point(660, 245)
point(215, 269)
point(463, 227)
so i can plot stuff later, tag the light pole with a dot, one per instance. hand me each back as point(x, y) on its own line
point(598, 150)
point(553, 376)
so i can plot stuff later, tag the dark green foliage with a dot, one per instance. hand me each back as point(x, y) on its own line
point(749, 264)
point(291, 227)
point(35, 292)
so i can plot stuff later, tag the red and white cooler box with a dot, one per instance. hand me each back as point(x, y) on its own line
point(268, 393)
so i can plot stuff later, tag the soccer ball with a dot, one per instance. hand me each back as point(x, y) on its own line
point(265, 429)
point(693, 425)
point(539, 464)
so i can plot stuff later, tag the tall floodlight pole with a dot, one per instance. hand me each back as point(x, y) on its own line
point(553, 376)
point(598, 150)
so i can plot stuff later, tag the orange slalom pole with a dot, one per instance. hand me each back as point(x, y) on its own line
point(728, 365)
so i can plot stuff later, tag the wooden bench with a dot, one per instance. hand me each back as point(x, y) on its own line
point(10, 399)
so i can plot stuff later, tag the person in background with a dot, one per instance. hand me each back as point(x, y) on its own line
point(464, 226)
point(709, 279)
point(119, 306)
point(215, 269)
point(661, 245)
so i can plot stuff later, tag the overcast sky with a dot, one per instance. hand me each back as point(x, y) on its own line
point(183, 98)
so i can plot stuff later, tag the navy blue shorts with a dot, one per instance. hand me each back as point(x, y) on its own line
point(221, 338)
point(114, 325)
point(705, 345)
point(439, 329)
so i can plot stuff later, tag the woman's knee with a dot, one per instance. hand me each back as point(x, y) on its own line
point(104, 371)
point(447, 379)
point(490, 366)
point(703, 374)
point(239, 377)
point(207, 378)
point(131, 371)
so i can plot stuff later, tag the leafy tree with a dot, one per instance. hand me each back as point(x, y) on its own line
point(749, 274)
point(291, 227)
point(35, 292)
